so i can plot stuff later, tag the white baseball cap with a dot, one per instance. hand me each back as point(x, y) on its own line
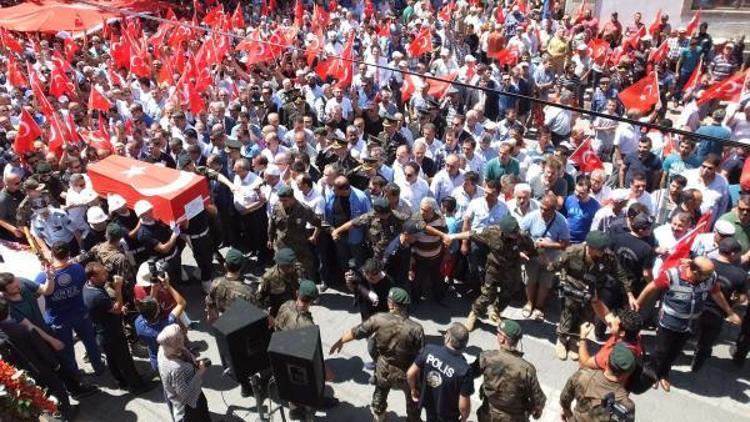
point(724, 228)
point(142, 207)
point(115, 201)
point(272, 170)
point(95, 215)
point(620, 195)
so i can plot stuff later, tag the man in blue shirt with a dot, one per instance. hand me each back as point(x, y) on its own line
point(65, 309)
point(715, 129)
point(579, 209)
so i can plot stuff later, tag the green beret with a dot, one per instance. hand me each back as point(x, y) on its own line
point(509, 224)
point(284, 256)
point(234, 257)
point(381, 204)
point(308, 289)
point(597, 239)
point(621, 359)
point(285, 192)
point(116, 231)
point(399, 295)
point(510, 329)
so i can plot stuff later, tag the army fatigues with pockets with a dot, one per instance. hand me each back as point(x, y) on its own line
point(381, 233)
point(502, 278)
point(398, 341)
point(289, 230)
point(224, 291)
point(588, 387)
point(276, 287)
point(580, 272)
point(291, 318)
point(510, 391)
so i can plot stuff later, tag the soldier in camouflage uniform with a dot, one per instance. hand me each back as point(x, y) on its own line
point(585, 268)
point(280, 282)
point(36, 195)
point(226, 289)
point(510, 391)
point(398, 341)
point(295, 106)
point(287, 228)
point(391, 137)
point(589, 386)
point(111, 254)
point(507, 249)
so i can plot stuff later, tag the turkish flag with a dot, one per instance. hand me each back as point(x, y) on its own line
point(598, 49)
point(339, 68)
point(320, 18)
point(634, 38)
point(9, 42)
point(585, 157)
point(655, 26)
point(422, 43)
point(58, 134)
point(257, 51)
point(176, 195)
point(682, 248)
point(695, 77)
point(729, 89)
point(238, 18)
point(15, 77)
point(642, 95)
point(36, 87)
point(97, 100)
point(657, 55)
point(28, 132)
point(409, 87)
point(694, 23)
point(438, 88)
point(314, 46)
point(299, 13)
point(505, 56)
point(139, 63)
point(446, 11)
point(71, 48)
point(59, 83)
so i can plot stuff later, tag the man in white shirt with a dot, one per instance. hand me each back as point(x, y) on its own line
point(713, 185)
point(638, 192)
point(447, 179)
point(413, 187)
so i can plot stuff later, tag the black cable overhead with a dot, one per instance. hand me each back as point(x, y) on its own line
point(649, 125)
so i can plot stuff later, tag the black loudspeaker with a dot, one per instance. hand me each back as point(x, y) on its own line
point(242, 335)
point(297, 364)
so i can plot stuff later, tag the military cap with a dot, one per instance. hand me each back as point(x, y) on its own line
point(320, 131)
point(381, 205)
point(32, 184)
point(509, 224)
point(372, 266)
point(43, 168)
point(597, 239)
point(293, 93)
point(234, 257)
point(621, 359)
point(423, 109)
point(372, 139)
point(232, 143)
point(308, 289)
point(413, 227)
point(431, 103)
point(284, 256)
point(399, 296)
point(389, 120)
point(510, 329)
point(339, 143)
point(285, 192)
point(116, 231)
point(183, 160)
point(729, 245)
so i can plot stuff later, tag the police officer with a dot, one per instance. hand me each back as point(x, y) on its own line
point(337, 153)
point(278, 283)
point(446, 383)
point(287, 228)
point(227, 288)
point(584, 269)
point(510, 391)
point(36, 195)
point(686, 290)
point(398, 340)
point(160, 241)
point(508, 247)
point(588, 387)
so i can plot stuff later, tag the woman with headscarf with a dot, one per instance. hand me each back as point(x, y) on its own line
point(182, 376)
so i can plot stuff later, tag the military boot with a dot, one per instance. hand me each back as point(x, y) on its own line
point(471, 321)
point(378, 417)
point(560, 350)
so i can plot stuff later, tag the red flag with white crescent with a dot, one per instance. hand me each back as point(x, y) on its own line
point(176, 195)
point(15, 76)
point(314, 47)
point(655, 26)
point(729, 89)
point(57, 134)
point(97, 100)
point(438, 88)
point(694, 79)
point(585, 157)
point(658, 55)
point(684, 245)
point(642, 95)
point(59, 83)
point(28, 132)
point(421, 44)
point(598, 49)
point(409, 87)
point(694, 23)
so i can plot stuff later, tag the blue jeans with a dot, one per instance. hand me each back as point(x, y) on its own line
point(85, 330)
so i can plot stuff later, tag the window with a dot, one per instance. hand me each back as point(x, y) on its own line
point(721, 5)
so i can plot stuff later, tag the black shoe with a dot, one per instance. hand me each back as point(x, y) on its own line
point(323, 287)
point(142, 387)
point(328, 402)
point(298, 414)
point(697, 364)
point(84, 390)
point(246, 390)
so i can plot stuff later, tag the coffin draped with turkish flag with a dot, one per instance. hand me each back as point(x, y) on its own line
point(176, 195)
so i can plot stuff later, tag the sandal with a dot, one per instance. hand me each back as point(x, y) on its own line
point(526, 311)
point(537, 315)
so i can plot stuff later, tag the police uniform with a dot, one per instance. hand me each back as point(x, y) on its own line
point(502, 278)
point(578, 271)
point(55, 228)
point(288, 229)
point(445, 376)
point(25, 210)
point(277, 286)
point(398, 340)
point(510, 390)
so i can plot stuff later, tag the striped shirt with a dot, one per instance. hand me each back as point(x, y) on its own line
point(722, 67)
point(182, 385)
point(428, 246)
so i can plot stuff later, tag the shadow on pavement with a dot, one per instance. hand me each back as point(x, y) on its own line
point(348, 369)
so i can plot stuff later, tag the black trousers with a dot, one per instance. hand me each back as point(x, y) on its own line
point(255, 234)
point(427, 276)
point(199, 413)
point(667, 348)
point(709, 329)
point(119, 359)
point(743, 340)
point(203, 254)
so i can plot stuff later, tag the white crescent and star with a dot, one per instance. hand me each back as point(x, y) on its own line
point(23, 129)
point(181, 182)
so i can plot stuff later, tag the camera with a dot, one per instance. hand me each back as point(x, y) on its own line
point(617, 411)
point(205, 361)
point(580, 295)
point(157, 268)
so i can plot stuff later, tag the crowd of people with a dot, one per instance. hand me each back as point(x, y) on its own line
point(401, 190)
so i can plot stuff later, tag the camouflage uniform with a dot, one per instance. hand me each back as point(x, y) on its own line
point(510, 391)
point(25, 212)
point(503, 268)
point(398, 340)
point(580, 272)
point(380, 233)
point(114, 260)
point(224, 291)
point(276, 287)
point(290, 318)
point(588, 387)
point(288, 228)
